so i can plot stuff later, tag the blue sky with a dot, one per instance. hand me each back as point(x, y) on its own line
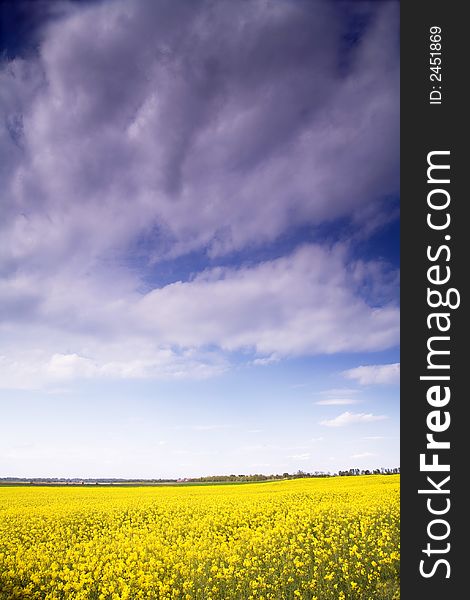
point(199, 248)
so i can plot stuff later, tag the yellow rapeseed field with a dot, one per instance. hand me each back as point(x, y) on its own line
point(323, 539)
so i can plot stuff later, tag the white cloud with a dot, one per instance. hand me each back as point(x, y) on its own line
point(348, 418)
point(69, 366)
point(375, 374)
point(304, 303)
point(37, 369)
point(268, 360)
point(304, 456)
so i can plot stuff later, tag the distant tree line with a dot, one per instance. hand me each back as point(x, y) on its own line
point(206, 479)
point(350, 472)
point(297, 475)
point(79, 481)
point(234, 478)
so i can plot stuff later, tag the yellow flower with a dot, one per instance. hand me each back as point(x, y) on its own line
point(334, 537)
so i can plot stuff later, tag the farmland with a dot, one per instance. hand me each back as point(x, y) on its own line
point(324, 539)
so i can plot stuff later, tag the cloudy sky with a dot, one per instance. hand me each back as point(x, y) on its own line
point(198, 237)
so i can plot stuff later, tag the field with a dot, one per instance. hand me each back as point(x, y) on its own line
point(323, 539)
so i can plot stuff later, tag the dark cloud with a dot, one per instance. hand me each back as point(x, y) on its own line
point(224, 123)
point(181, 127)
